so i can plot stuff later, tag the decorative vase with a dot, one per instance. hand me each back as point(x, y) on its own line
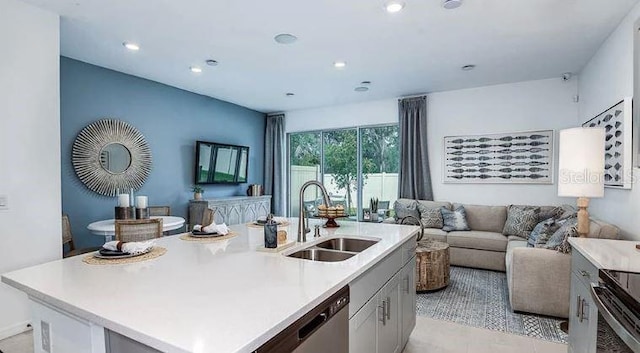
point(197, 196)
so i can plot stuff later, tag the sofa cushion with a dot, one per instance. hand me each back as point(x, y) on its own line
point(430, 217)
point(479, 240)
point(521, 243)
point(434, 204)
point(485, 218)
point(602, 230)
point(404, 208)
point(435, 234)
point(454, 220)
point(521, 220)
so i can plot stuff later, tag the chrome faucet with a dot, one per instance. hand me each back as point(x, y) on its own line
point(303, 221)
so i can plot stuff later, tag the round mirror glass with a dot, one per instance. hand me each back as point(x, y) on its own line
point(115, 158)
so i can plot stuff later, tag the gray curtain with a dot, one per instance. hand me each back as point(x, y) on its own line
point(414, 178)
point(274, 151)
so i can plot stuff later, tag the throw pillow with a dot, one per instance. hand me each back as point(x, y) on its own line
point(543, 229)
point(560, 239)
point(430, 217)
point(454, 220)
point(547, 213)
point(404, 208)
point(521, 220)
point(543, 238)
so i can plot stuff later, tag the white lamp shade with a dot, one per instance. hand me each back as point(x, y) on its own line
point(581, 162)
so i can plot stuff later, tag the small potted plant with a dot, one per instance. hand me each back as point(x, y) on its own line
point(373, 207)
point(197, 192)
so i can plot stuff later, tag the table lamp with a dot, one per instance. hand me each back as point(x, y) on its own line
point(581, 169)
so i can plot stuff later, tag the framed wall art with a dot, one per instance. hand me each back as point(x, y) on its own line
point(519, 157)
point(618, 147)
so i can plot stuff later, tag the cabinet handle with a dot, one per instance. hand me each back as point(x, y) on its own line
point(578, 299)
point(384, 312)
point(585, 310)
point(407, 281)
point(388, 302)
point(585, 273)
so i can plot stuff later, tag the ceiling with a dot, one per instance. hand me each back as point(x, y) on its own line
point(417, 50)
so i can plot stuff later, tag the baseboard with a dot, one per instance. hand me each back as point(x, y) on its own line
point(13, 330)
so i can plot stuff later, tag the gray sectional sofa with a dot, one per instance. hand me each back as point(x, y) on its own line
point(538, 278)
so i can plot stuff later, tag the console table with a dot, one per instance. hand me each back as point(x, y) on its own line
point(231, 210)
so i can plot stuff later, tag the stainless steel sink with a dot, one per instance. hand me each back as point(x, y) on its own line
point(346, 244)
point(321, 255)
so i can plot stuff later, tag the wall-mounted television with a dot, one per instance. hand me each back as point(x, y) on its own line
point(218, 163)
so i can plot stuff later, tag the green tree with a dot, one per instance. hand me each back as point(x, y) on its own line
point(380, 150)
point(305, 149)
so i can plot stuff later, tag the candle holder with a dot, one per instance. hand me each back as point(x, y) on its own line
point(142, 213)
point(123, 212)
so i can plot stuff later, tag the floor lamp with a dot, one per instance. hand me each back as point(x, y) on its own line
point(581, 169)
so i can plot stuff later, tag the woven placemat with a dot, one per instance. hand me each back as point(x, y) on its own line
point(253, 225)
point(188, 237)
point(156, 251)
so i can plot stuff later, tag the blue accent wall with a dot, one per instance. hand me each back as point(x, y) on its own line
point(171, 120)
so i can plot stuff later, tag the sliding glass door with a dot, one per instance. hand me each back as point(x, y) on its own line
point(355, 165)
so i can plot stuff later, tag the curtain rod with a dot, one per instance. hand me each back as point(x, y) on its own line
point(424, 95)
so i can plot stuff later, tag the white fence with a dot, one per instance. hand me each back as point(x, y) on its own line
point(384, 186)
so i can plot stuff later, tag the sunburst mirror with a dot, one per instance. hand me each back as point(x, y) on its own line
point(110, 155)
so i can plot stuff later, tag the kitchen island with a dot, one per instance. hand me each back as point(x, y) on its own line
point(223, 296)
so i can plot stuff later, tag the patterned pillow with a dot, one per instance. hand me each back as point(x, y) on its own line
point(521, 220)
point(404, 208)
point(543, 229)
point(554, 212)
point(560, 239)
point(543, 238)
point(430, 217)
point(454, 220)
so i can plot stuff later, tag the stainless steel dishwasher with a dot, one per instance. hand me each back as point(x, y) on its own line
point(323, 329)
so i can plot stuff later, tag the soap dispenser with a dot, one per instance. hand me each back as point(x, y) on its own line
point(270, 233)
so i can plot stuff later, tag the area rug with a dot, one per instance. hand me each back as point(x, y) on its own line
point(480, 298)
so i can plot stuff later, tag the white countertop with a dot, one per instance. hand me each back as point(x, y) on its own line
point(218, 297)
point(617, 255)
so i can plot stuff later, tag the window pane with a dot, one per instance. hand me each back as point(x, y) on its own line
point(304, 159)
point(380, 165)
point(341, 168)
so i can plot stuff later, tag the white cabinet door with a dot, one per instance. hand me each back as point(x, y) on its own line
point(583, 318)
point(389, 317)
point(362, 328)
point(408, 299)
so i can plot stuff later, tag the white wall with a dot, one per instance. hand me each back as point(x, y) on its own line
point(29, 148)
point(341, 116)
point(606, 79)
point(534, 105)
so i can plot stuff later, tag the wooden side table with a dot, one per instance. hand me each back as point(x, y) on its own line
point(432, 265)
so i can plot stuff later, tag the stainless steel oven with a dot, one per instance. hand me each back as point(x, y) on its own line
point(617, 296)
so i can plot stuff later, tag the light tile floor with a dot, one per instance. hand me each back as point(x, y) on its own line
point(436, 336)
point(22, 343)
point(429, 336)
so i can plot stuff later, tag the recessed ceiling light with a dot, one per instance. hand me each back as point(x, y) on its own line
point(468, 67)
point(339, 64)
point(394, 6)
point(451, 4)
point(289, 94)
point(211, 62)
point(131, 46)
point(195, 69)
point(285, 38)
point(361, 89)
